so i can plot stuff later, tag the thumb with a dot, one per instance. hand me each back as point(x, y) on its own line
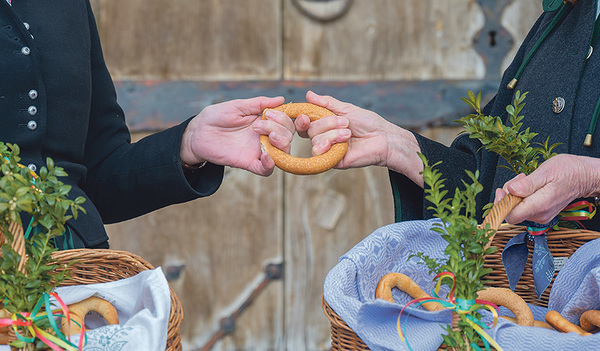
point(328, 102)
point(523, 186)
point(500, 193)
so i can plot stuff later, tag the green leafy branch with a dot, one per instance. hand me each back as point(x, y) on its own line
point(514, 145)
point(44, 197)
point(466, 249)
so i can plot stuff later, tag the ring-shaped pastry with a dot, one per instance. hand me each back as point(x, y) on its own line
point(298, 165)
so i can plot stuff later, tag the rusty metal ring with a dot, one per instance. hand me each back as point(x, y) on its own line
point(328, 18)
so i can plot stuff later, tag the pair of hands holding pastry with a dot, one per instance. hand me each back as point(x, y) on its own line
point(229, 134)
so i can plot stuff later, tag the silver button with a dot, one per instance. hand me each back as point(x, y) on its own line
point(32, 125)
point(558, 105)
point(25, 50)
point(26, 25)
point(33, 94)
point(32, 110)
point(32, 167)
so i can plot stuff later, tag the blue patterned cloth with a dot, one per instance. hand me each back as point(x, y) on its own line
point(516, 252)
point(350, 291)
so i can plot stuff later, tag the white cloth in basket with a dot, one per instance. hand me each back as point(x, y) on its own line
point(350, 291)
point(143, 303)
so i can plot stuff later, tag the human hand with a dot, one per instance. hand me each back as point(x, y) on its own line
point(223, 134)
point(372, 139)
point(552, 187)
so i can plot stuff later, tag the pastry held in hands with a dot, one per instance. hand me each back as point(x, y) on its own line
point(303, 166)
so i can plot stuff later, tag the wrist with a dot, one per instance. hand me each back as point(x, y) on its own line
point(189, 161)
point(594, 176)
point(403, 149)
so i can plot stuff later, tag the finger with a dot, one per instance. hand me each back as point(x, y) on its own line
point(500, 193)
point(277, 122)
point(256, 105)
point(532, 209)
point(268, 164)
point(302, 123)
point(280, 142)
point(326, 124)
point(322, 142)
point(282, 119)
point(263, 167)
point(517, 177)
point(328, 102)
point(523, 186)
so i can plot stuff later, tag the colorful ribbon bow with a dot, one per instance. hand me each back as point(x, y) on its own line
point(578, 211)
point(460, 306)
point(56, 342)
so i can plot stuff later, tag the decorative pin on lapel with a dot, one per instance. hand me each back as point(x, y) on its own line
point(558, 105)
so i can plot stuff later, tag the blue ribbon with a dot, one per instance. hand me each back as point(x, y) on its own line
point(516, 252)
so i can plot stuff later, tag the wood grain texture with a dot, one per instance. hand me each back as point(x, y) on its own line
point(271, 39)
point(326, 215)
point(191, 39)
point(385, 39)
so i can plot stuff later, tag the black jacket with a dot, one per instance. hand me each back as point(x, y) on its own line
point(558, 69)
point(57, 100)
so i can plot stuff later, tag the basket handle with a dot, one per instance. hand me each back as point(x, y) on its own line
point(498, 212)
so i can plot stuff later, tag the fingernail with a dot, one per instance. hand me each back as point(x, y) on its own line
point(275, 136)
point(342, 122)
point(345, 133)
point(270, 114)
point(258, 124)
point(515, 187)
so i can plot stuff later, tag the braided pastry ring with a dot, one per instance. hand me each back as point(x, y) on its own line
point(303, 166)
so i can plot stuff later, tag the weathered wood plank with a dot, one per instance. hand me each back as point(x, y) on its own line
point(326, 215)
point(228, 40)
point(191, 39)
point(387, 40)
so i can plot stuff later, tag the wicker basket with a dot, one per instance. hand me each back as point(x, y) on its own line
point(101, 266)
point(562, 243)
